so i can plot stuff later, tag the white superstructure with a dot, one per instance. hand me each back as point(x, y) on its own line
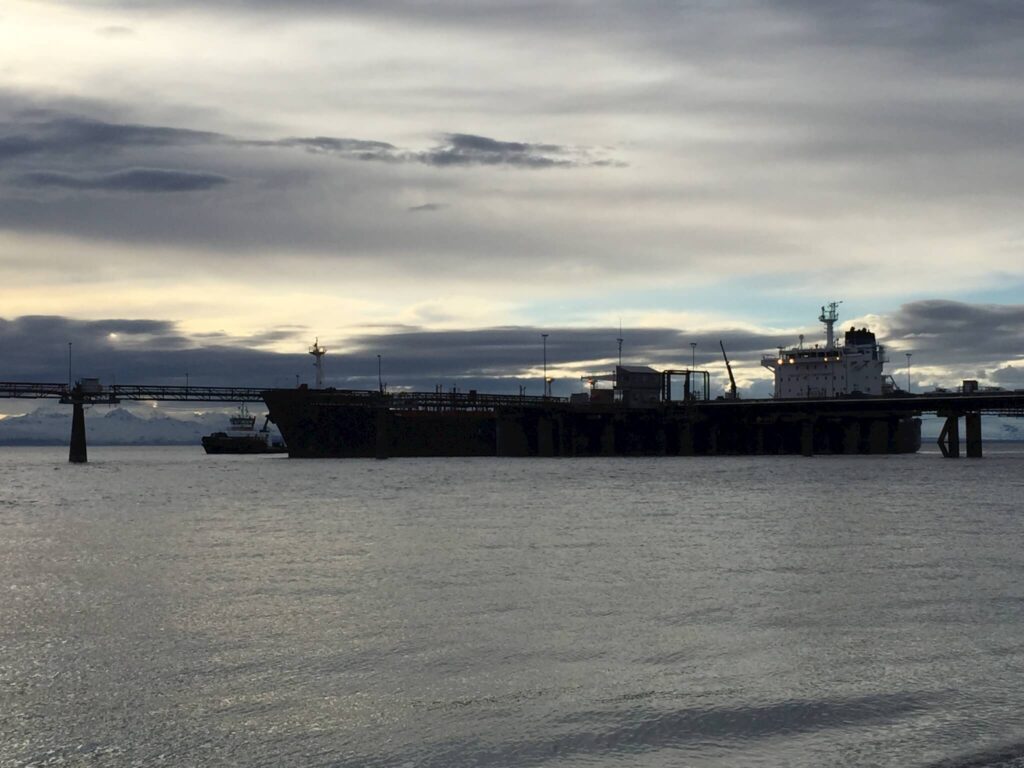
point(829, 371)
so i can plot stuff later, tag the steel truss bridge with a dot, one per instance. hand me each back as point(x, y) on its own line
point(116, 393)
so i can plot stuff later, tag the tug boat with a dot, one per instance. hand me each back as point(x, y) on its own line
point(243, 437)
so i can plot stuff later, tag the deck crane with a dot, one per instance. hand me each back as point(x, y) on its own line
point(731, 394)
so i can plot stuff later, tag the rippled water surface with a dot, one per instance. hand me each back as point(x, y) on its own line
point(162, 606)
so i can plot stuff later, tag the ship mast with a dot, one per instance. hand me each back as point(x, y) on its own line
point(829, 315)
point(318, 352)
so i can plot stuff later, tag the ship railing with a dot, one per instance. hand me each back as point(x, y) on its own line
point(33, 390)
point(466, 401)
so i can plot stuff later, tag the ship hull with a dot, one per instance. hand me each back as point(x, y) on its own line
point(221, 443)
point(328, 424)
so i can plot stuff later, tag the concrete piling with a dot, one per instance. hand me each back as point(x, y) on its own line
point(78, 453)
point(972, 424)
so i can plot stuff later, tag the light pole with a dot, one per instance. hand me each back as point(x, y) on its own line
point(380, 382)
point(908, 370)
point(620, 343)
point(544, 336)
point(693, 355)
point(69, 363)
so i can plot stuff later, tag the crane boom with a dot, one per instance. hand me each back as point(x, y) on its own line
point(732, 381)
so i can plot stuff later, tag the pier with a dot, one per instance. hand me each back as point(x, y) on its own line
point(336, 423)
point(91, 392)
point(551, 426)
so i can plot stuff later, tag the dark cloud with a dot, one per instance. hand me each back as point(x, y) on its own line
point(455, 149)
point(959, 337)
point(826, 126)
point(505, 351)
point(425, 207)
point(34, 348)
point(939, 30)
point(936, 29)
point(467, 149)
point(958, 332)
point(131, 180)
point(74, 153)
point(74, 135)
point(69, 136)
point(1010, 377)
point(281, 194)
point(357, 149)
point(963, 341)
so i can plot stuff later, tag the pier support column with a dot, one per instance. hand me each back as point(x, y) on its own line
point(807, 437)
point(972, 426)
point(383, 437)
point(545, 436)
point(78, 453)
point(949, 437)
point(510, 436)
point(878, 436)
point(851, 436)
point(686, 437)
point(607, 436)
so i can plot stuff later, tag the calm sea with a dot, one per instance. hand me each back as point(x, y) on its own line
point(158, 606)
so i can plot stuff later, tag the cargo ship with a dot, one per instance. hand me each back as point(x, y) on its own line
point(822, 404)
point(825, 371)
point(243, 437)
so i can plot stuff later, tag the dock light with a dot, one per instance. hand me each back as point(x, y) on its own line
point(544, 336)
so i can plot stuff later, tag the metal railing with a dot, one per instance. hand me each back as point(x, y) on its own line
point(35, 390)
point(114, 393)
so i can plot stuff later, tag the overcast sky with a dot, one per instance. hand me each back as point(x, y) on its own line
point(210, 185)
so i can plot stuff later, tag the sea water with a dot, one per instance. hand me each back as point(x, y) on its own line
point(159, 606)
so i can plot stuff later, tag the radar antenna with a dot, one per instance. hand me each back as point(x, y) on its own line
point(318, 352)
point(829, 315)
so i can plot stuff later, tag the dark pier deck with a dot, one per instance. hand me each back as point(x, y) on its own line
point(337, 423)
point(451, 423)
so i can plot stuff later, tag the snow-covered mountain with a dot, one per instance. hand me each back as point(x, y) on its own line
point(118, 426)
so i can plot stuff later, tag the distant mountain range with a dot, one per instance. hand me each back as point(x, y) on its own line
point(118, 426)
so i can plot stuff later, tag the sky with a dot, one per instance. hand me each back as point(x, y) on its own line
point(207, 187)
